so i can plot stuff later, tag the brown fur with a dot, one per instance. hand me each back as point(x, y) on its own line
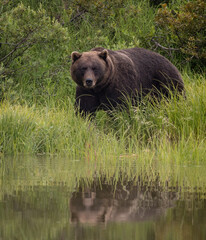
point(103, 77)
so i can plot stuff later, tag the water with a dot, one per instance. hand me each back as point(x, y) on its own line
point(44, 198)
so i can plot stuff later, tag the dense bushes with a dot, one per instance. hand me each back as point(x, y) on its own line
point(33, 49)
point(184, 29)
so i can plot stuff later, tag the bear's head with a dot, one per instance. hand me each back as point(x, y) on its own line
point(89, 69)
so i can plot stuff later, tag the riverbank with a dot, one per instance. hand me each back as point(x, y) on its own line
point(170, 131)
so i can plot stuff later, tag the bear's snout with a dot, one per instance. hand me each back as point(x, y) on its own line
point(89, 79)
point(89, 82)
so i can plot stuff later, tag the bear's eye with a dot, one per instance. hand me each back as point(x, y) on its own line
point(83, 69)
point(94, 68)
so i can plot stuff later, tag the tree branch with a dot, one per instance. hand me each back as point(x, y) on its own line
point(17, 45)
point(78, 15)
point(162, 47)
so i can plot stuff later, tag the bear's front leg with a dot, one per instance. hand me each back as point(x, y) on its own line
point(86, 103)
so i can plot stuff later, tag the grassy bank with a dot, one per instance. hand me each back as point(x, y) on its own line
point(170, 131)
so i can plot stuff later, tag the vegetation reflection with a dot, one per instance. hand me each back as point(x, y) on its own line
point(62, 199)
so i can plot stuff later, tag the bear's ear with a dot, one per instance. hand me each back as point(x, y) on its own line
point(75, 56)
point(103, 54)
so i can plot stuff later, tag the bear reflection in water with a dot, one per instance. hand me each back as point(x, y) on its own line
point(120, 202)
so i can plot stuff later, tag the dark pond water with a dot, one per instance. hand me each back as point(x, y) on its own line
point(45, 199)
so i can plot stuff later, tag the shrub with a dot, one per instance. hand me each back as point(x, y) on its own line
point(111, 24)
point(184, 29)
point(33, 47)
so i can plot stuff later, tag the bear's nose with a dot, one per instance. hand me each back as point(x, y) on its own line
point(89, 82)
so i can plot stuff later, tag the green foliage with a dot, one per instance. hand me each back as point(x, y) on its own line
point(111, 24)
point(22, 28)
point(184, 28)
point(104, 8)
point(32, 42)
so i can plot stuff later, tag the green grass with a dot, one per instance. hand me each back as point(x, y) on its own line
point(31, 130)
point(172, 130)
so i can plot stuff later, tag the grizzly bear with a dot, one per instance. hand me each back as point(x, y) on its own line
point(106, 78)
